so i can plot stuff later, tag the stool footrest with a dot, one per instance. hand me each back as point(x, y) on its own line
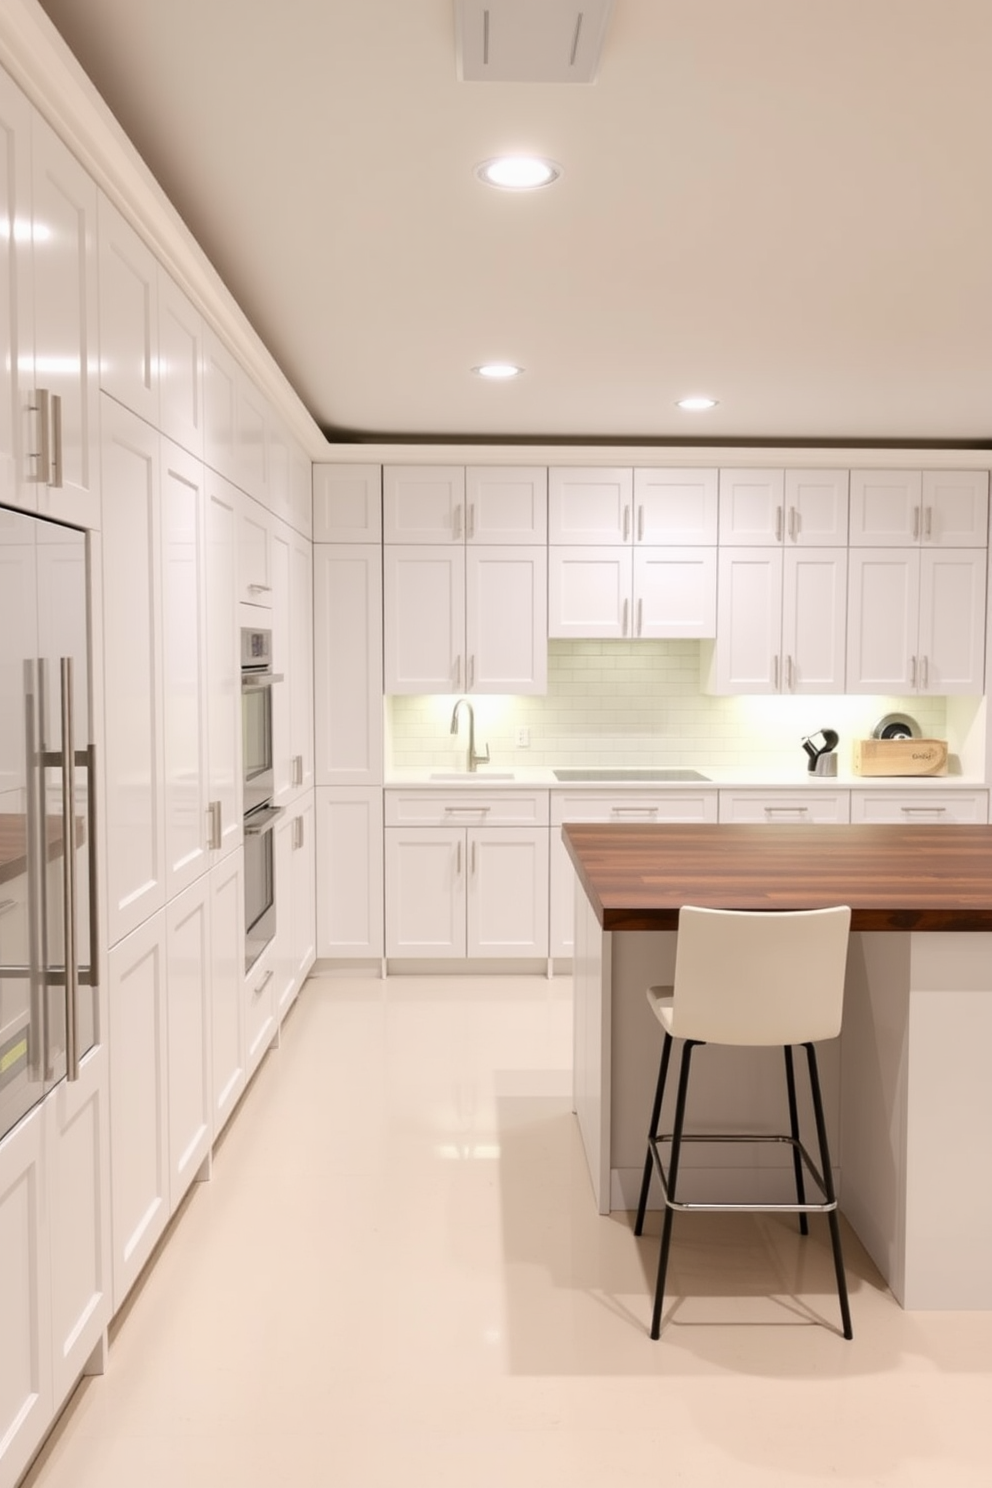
point(749, 1206)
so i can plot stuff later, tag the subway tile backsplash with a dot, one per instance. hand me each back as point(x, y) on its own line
point(638, 703)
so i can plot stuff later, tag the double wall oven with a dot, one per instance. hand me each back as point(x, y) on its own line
point(260, 816)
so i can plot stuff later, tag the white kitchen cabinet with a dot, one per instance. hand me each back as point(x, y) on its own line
point(350, 874)
point(921, 805)
point(347, 503)
point(590, 506)
point(190, 1102)
point(423, 504)
point(290, 481)
point(251, 441)
point(227, 1003)
point(134, 751)
point(300, 489)
point(223, 657)
point(683, 805)
point(139, 1098)
point(258, 992)
point(506, 504)
point(917, 621)
point(180, 343)
point(26, 1391)
point(466, 874)
point(295, 902)
point(348, 684)
point(913, 508)
point(797, 508)
point(184, 667)
point(675, 508)
point(465, 620)
point(255, 526)
point(129, 315)
point(220, 408)
point(782, 621)
point(614, 593)
point(814, 803)
point(502, 505)
point(15, 303)
point(292, 659)
point(57, 350)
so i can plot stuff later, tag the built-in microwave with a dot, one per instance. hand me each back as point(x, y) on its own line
point(260, 816)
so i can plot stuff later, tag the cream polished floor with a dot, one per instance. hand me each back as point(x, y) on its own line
point(396, 1277)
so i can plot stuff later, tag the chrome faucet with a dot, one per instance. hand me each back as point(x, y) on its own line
point(473, 758)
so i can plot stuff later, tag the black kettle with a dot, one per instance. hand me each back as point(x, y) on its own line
point(819, 746)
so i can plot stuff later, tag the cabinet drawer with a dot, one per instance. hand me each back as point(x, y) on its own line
point(784, 806)
point(918, 807)
point(467, 808)
point(628, 806)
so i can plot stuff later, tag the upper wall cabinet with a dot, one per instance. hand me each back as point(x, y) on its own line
point(614, 507)
point(795, 508)
point(498, 505)
point(913, 508)
point(220, 408)
point(15, 306)
point(590, 506)
point(129, 320)
point(180, 342)
point(347, 503)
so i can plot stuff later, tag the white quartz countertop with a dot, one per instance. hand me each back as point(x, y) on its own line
point(726, 776)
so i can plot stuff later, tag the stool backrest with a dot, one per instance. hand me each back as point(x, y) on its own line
point(760, 978)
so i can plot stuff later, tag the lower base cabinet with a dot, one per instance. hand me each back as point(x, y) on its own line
point(296, 934)
point(349, 872)
point(227, 973)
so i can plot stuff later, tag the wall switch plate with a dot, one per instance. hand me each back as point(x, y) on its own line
point(523, 738)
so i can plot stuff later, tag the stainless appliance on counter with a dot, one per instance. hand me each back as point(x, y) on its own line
point(260, 816)
point(48, 926)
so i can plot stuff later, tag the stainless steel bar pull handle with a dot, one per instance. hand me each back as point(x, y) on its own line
point(42, 406)
point(640, 617)
point(215, 821)
point(298, 832)
point(640, 522)
point(69, 874)
point(928, 522)
point(56, 462)
point(626, 616)
point(471, 521)
point(778, 524)
point(916, 521)
point(457, 520)
point(458, 859)
point(297, 769)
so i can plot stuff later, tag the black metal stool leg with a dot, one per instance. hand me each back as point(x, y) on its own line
point(828, 1183)
point(797, 1162)
point(673, 1171)
point(666, 1051)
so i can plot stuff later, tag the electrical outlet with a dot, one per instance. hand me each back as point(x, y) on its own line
point(523, 738)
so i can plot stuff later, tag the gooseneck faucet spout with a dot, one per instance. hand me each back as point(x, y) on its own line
point(473, 759)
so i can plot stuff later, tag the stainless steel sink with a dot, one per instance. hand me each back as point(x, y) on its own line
point(648, 773)
point(470, 777)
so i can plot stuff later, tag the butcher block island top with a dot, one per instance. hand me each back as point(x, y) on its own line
point(637, 876)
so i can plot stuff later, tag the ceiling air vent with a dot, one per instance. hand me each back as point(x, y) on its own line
point(530, 41)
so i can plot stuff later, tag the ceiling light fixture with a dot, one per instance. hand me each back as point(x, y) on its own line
point(518, 172)
point(498, 370)
point(696, 404)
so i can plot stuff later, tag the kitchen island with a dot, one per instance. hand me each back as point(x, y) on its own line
point(909, 1087)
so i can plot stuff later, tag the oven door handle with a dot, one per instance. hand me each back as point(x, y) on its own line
point(263, 820)
point(254, 681)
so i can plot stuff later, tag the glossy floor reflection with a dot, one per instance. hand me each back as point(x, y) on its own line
point(396, 1277)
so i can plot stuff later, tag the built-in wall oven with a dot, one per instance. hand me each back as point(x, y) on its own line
point(260, 816)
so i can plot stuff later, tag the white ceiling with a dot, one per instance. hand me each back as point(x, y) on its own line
point(784, 203)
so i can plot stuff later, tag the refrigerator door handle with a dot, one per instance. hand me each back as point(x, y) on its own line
point(37, 960)
point(69, 874)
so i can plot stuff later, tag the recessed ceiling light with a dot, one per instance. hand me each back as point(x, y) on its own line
point(696, 404)
point(498, 370)
point(518, 172)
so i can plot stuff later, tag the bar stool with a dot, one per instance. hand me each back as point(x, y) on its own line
point(746, 978)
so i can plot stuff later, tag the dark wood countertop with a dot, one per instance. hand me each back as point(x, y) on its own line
point(637, 876)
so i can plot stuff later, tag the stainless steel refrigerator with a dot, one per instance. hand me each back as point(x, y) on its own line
point(48, 998)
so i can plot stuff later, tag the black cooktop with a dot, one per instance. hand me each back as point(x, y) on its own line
point(659, 773)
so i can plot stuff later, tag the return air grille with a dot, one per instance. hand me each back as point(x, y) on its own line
point(530, 41)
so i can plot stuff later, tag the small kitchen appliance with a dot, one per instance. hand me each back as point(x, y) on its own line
point(820, 747)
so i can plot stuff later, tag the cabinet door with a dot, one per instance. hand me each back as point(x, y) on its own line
point(816, 507)
point(348, 663)
point(783, 807)
point(424, 608)
point(506, 620)
point(283, 773)
point(251, 439)
point(223, 665)
point(347, 503)
point(15, 303)
point(255, 556)
point(350, 883)
point(184, 667)
point(129, 320)
point(752, 507)
point(590, 505)
point(134, 753)
point(304, 888)
point(885, 508)
point(675, 508)
point(814, 620)
point(220, 407)
point(66, 327)
point(301, 660)
point(260, 1009)
point(507, 905)
point(590, 593)
point(955, 508)
point(952, 621)
point(180, 339)
point(921, 806)
point(227, 959)
point(189, 1031)
point(674, 592)
point(423, 504)
point(139, 1102)
point(77, 1140)
point(506, 504)
point(883, 620)
point(284, 954)
point(747, 654)
point(425, 891)
point(26, 1399)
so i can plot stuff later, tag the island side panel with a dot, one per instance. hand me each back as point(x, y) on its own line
point(592, 1043)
